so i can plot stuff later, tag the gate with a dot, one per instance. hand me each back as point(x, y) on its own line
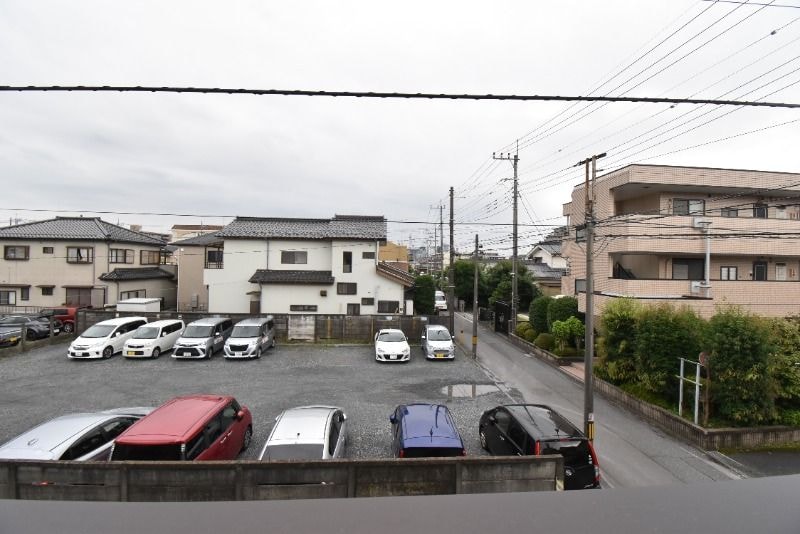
point(502, 314)
point(301, 327)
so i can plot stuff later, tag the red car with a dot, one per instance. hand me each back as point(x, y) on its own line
point(195, 427)
point(67, 315)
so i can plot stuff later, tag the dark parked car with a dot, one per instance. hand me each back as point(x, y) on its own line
point(13, 327)
point(523, 429)
point(424, 430)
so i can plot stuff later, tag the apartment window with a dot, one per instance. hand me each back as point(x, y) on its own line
point(79, 296)
point(80, 254)
point(303, 307)
point(580, 285)
point(346, 288)
point(164, 257)
point(149, 257)
point(47, 291)
point(347, 262)
point(685, 206)
point(367, 255)
point(688, 269)
point(353, 309)
point(780, 272)
point(760, 211)
point(760, 271)
point(214, 259)
point(24, 293)
point(780, 212)
point(728, 273)
point(729, 212)
point(388, 306)
point(47, 250)
point(294, 256)
point(133, 294)
point(8, 297)
point(121, 255)
point(16, 253)
point(368, 302)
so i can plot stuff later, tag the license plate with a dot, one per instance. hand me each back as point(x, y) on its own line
point(131, 353)
point(393, 357)
point(440, 355)
point(237, 353)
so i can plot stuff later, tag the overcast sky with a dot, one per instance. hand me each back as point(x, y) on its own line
point(218, 156)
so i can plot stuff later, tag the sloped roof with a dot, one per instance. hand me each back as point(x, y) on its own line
point(136, 273)
point(340, 227)
point(77, 228)
point(542, 270)
point(267, 276)
point(204, 240)
point(393, 273)
point(197, 227)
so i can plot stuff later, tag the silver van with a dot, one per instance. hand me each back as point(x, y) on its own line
point(251, 337)
point(202, 338)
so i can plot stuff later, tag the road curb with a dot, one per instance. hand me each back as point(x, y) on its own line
point(728, 463)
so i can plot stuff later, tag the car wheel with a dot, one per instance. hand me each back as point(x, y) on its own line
point(30, 335)
point(258, 353)
point(248, 437)
point(68, 328)
point(273, 343)
point(156, 352)
point(482, 436)
point(108, 352)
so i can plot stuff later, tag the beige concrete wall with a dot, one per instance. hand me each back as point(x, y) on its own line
point(393, 252)
point(191, 262)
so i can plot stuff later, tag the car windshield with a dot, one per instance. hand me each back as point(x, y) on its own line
point(391, 336)
point(245, 331)
point(295, 451)
point(146, 332)
point(439, 298)
point(99, 330)
point(438, 335)
point(194, 330)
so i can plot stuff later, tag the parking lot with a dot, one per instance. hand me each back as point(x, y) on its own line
point(43, 384)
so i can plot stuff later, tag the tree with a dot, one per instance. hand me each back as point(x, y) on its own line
point(499, 280)
point(424, 290)
point(784, 370)
point(537, 315)
point(464, 279)
point(561, 309)
point(619, 340)
point(570, 330)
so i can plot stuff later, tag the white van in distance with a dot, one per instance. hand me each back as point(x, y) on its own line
point(150, 340)
point(105, 338)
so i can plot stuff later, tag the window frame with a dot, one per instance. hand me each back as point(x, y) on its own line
point(10, 297)
point(25, 293)
point(293, 257)
point(114, 255)
point(385, 306)
point(124, 295)
point(347, 288)
point(48, 250)
point(368, 301)
point(347, 261)
point(150, 254)
point(303, 307)
point(689, 202)
point(25, 249)
point(758, 208)
point(78, 259)
point(47, 291)
point(368, 255)
point(726, 270)
point(729, 212)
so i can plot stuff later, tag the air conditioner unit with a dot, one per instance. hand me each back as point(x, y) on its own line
point(695, 287)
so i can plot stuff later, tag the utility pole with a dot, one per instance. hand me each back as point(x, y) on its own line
point(514, 294)
point(441, 242)
point(451, 276)
point(475, 304)
point(588, 359)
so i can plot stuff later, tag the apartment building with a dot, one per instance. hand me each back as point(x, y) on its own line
point(698, 237)
point(81, 261)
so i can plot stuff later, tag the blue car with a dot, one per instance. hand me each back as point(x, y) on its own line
point(423, 431)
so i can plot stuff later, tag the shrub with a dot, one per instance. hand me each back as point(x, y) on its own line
point(522, 328)
point(530, 335)
point(740, 385)
point(565, 331)
point(561, 309)
point(619, 341)
point(544, 341)
point(790, 417)
point(783, 371)
point(425, 289)
point(567, 352)
point(538, 313)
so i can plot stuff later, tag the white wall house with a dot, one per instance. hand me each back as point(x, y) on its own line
point(328, 266)
point(81, 261)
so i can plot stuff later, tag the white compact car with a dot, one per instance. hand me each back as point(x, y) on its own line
point(150, 340)
point(439, 301)
point(391, 345)
point(105, 338)
point(437, 343)
point(307, 433)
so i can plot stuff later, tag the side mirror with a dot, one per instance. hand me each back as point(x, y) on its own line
point(393, 419)
point(344, 417)
point(423, 336)
point(240, 415)
point(116, 334)
point(453, 338)
point(492, 419)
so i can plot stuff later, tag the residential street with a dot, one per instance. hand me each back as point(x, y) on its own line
point(631, 452)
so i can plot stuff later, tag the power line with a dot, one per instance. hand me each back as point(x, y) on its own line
point(393, 95)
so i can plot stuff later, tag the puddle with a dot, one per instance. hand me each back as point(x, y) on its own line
point(468, 390)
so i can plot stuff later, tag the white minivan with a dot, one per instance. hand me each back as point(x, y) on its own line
point(440, 301)
point(150, 340)
point(105, 338)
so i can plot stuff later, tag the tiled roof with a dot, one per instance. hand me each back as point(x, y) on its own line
point(197, 227)
point(396, 274)
point(136, 273)
point(200, 240)
point(77, 228)
point(542, 270)
point(266, 276)
point(340, 227)
point(551, 247)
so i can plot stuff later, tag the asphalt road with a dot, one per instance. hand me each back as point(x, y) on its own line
point(631, 452)
point(43, 384)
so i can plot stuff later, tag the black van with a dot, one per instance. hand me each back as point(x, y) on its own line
point(534, 429)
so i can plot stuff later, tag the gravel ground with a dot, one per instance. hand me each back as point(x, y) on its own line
point(42, 384)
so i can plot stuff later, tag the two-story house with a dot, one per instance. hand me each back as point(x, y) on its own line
point(690, 236)
point(286, 265)
point(192, 255)
point(81, 261)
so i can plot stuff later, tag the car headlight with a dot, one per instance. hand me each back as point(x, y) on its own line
point(379, 351)
point(406, 351)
